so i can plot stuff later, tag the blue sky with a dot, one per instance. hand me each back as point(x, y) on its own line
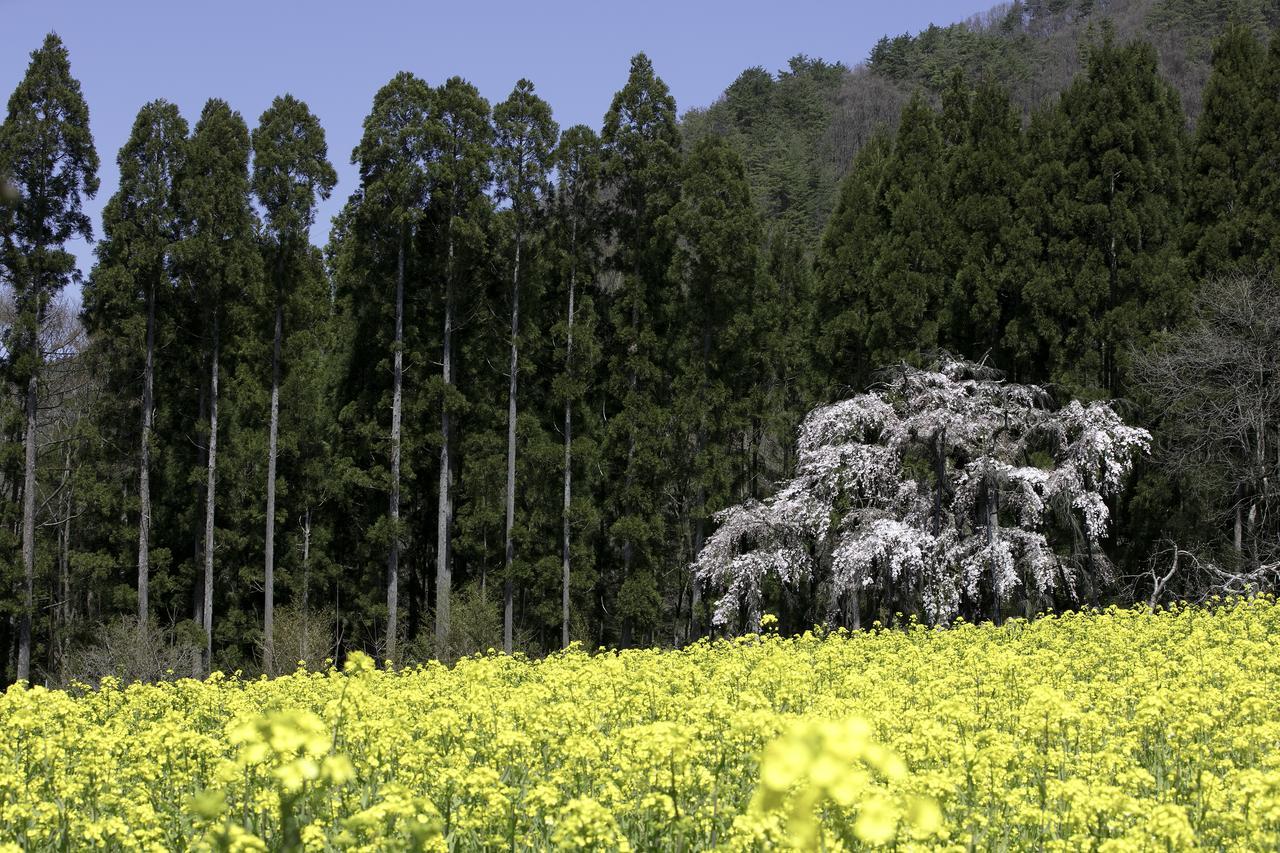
point(335, 55)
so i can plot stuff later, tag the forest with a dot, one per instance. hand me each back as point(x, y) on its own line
point(547, 385)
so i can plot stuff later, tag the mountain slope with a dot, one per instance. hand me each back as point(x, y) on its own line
point(799, 129)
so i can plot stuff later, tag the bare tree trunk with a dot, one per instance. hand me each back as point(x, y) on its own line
point(700, 525)
point(568, 443)
point(628, 548)
point(211, 484)
point(993, 535)
point(444, 513)
point(1239, 529)
point(144, 467)
point(64, 608)
point(397, 381)
point(306, 585)
point(269, 580)
point(197, 591)
point(59, 584)
point(28, 533)
point(508, 586)
point(757, 431)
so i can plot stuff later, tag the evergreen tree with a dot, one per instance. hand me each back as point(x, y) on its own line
point(219, 259)
point(716, 264)
point(525, 141)
point(577, 162)
point(1263, 181)
point(843, 274)
point(1106, 192)
point(47, 154)
point(984, 175)
point(377, 236)
point(460, 173)
point(1218, 228)
point(290, 169)
point(641, 172)
point(785, 308)
point(130, 294)
point(906, 309)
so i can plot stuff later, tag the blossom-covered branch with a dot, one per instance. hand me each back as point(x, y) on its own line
point(938, 492)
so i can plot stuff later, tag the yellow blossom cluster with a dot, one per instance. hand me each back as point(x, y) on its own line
point(1116, 730)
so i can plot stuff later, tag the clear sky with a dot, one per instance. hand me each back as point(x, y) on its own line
point(335, 55)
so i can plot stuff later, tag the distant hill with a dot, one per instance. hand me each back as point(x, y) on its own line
point(800, 127)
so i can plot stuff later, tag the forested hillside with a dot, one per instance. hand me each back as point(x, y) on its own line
point(509, 401)
point(799, 128)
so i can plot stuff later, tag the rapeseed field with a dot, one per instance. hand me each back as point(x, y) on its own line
point(1116, 730)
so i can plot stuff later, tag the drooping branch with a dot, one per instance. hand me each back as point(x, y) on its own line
point(858, 516)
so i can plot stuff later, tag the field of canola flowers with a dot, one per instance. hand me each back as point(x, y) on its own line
point(1120, 730)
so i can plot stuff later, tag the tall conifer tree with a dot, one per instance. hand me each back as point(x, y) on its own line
point(1107, 186)
point(1263, 181)
point(526, 139)
point(716, 264)
point(460, 173)
point(843, 274)
point(578, 181)
point(394, 155)
point(219, 259)
point(641, 171)
point(133, 284)
point(47, 154)
point(984, 174)
point(290, 169)
point(909, 276)
point(1218, 202)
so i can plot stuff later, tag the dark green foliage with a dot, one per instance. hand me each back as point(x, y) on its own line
point(985, 171)
point(1219, 231)
point(1105, 199)
point(641, 170)
point(221, 269)
point(525, 139)
point(1262, 184)
point(377, 251)
point(777, 124)
point(720, 387)
point(461, 219)
point(906, 308)
point(1005, 52)
point(47, 156)
point(130, 304)
point(574, 238)
point(843, 272)
point(290, 169)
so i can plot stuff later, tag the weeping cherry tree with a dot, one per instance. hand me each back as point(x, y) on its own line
point(941, 491)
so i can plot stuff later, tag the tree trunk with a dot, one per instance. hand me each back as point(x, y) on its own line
point(568, 444)
point(508, 586)
point(64, 576)
point(628, 548)
point(197, 550)
point(306, 585)
point(28, 531)
point(211, 484)
point(397, 379)
point(269, 591)
point(700, 525)
point(64, 608)
point(144, 467)
point(993, 535)
point(444, 512)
